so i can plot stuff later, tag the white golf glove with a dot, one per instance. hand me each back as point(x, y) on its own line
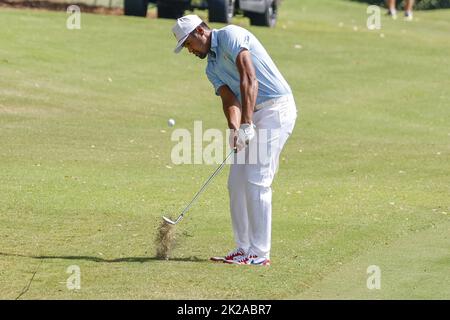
point(245, 133)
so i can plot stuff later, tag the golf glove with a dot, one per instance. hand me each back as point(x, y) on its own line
point(245, 133)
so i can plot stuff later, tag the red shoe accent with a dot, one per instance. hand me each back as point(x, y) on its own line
point(230, 256)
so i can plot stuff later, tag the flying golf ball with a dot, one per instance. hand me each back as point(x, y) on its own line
point(171, 122)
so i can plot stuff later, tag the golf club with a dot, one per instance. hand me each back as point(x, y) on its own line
point(199, 192)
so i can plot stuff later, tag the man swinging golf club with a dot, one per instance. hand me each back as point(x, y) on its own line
point(256, 99)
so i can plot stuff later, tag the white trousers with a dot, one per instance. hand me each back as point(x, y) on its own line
point(249, 182)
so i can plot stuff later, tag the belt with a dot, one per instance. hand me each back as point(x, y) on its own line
point(273, 101)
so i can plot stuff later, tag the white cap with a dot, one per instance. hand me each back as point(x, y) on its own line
point(183, 27)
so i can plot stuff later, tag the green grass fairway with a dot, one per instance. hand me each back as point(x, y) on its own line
point(86, 173)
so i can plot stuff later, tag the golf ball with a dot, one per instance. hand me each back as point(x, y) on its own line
point(171, 122)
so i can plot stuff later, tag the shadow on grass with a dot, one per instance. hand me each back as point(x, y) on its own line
point(98, 259)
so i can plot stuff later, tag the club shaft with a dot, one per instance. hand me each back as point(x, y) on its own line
point(204, 186)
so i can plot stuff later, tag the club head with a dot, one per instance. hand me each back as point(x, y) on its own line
point(168, 220)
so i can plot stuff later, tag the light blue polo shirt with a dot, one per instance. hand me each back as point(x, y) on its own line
point(226, 44)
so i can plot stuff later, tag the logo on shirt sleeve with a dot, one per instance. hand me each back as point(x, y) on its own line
point(247, 40)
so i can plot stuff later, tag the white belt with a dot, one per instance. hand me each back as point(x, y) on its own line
point(273, 101)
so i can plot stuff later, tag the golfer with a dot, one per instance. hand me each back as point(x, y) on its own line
point(261, 113)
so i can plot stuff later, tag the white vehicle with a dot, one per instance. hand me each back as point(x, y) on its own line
point(260, 12)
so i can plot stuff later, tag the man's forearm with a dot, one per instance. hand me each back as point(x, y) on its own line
point(249, 90)
point(231, 107)
point(233, 115)
point(248, 85)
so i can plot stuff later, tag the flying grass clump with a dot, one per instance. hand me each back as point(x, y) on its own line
point(165, 240)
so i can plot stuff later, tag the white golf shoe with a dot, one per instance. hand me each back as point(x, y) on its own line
point(250, 259)
point(393, 14)
point(234, 254)
point(408, 16)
